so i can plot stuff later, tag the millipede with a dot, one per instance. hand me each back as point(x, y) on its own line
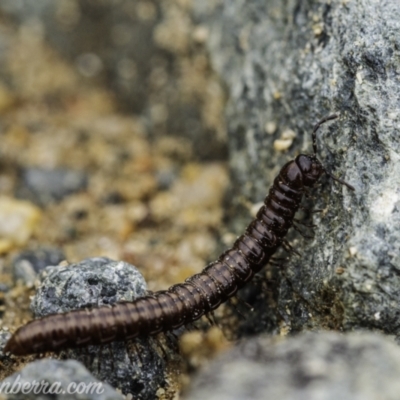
point(184, 303)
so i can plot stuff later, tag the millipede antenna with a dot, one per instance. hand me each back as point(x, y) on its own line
point(314, 142)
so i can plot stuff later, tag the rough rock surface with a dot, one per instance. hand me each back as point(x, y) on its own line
point(5, 359)
point(323, 366)
point(91, 282)
point(136, 368)
point(52, 376)
point(287, 64)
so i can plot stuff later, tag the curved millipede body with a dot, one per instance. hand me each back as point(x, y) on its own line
point(184, 303)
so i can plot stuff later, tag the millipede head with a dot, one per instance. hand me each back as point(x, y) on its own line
point(310, 167)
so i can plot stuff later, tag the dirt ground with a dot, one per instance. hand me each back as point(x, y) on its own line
point(149, 200)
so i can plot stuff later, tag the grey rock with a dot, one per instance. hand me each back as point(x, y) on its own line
point(133, 367)
point(136, 368)
point(310, 366)
point(166, 177)
point(5, 359)
point(4, 336)
point(91, 282)
point(4, 287)
point(286, 65)
point(44, 379)
point(28, 264)
point(43, 186)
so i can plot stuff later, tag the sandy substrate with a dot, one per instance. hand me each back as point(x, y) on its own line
point(147, 200)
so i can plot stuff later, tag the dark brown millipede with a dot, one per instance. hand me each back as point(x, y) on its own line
point(186, 302)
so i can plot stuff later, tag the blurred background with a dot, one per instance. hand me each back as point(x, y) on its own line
point(112, 141)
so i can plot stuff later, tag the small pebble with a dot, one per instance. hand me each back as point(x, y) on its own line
point(44, 186)
point(5, 359)
point(133, 367)
point(27, 264)
point(288, 134)
point(91, 282)
point(270, 127)
point(166, 177)
point(18, 220)
point(285, 141)
point(200, 34)
point(282, 144)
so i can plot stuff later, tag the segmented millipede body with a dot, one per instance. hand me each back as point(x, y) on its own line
point(184, 303)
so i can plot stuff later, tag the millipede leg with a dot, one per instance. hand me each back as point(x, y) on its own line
point(277, 260)
point(209, 318)
point(154, 347)
point(276, 264)
point(109, 347)
point(317, 210)
point(160, 346)
point(286, 248)
point(308, 194)
point(302, 223)
point(310, 210)
point(172, 341)
point(192, 327)
point(137, 352)
point(249, 306)
point(86, 356)
point(129, 350)
point(236, 307)
point(99, 358)
point(297, 229)
point(258, 278)
point(289, 248)
point(246, 304)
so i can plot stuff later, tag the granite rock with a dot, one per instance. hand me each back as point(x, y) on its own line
point(135, 368)
point(286, 65)
point(5, 359)
point(309, 366)
point(91, 282)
